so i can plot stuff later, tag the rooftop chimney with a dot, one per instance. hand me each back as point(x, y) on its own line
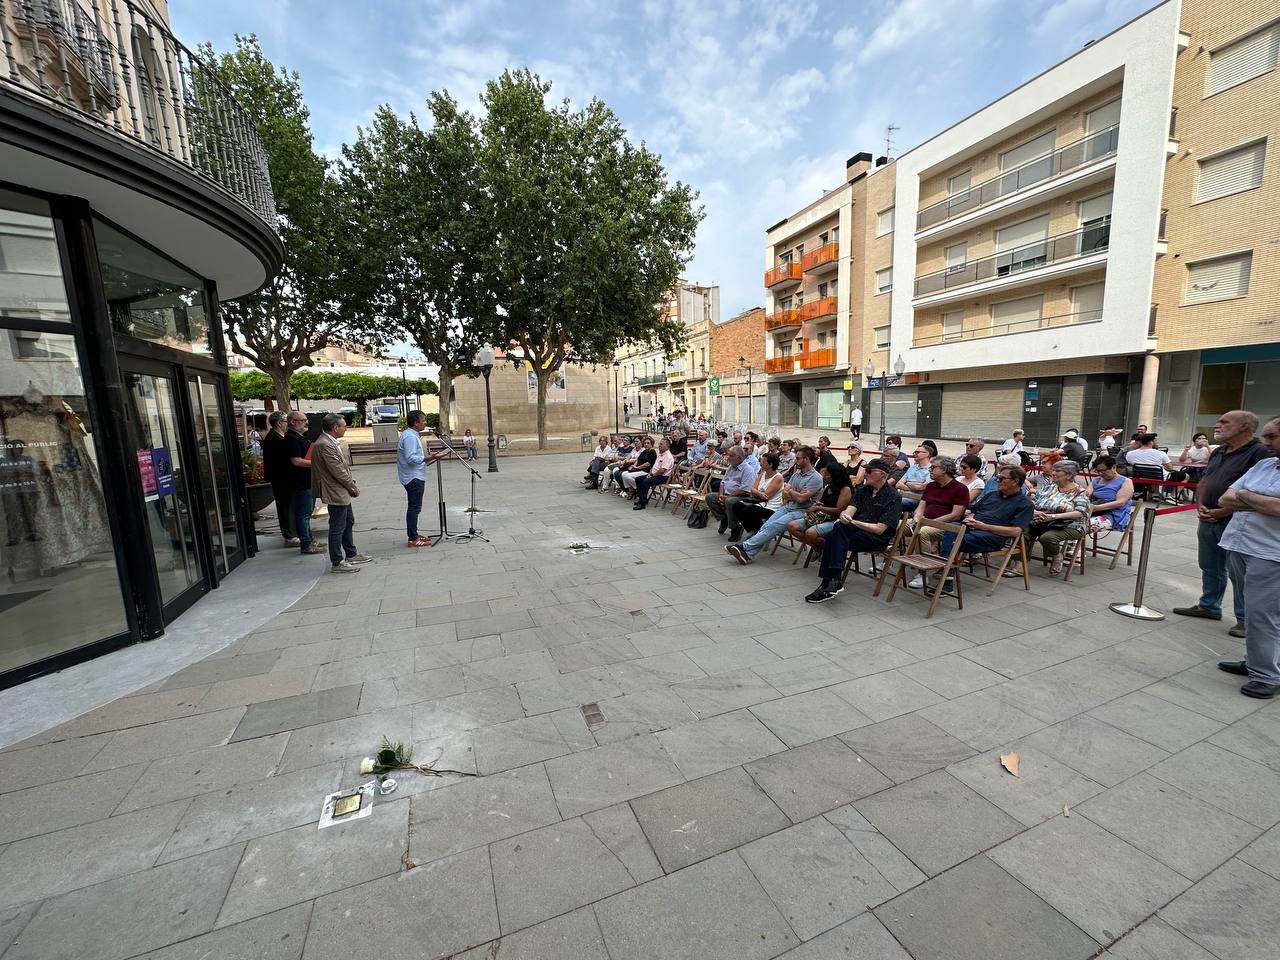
point(881, 161)
point(856, 165)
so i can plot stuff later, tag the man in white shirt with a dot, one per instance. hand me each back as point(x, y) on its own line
point(855, 422)
point(1014, 443)
point(1146, 454)
point(658, 475)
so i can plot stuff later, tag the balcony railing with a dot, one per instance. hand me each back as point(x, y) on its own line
point(825, 254)
point(653, 378)
point(1014, 326)
point(780, 364)
point(1070, 157)
point(1088, 240)
point(783, 273)
point(1153, 320)
point(782, 320)
point(817, 309)
point(812, 359)
point(127, 74)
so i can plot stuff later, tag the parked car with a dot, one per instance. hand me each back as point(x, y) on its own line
point(384, 413)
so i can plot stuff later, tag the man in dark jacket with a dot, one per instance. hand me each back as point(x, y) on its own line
point(276, 471)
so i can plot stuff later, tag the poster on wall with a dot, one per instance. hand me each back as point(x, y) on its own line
point(163, 464)
point(147, 470)
point(557, 389)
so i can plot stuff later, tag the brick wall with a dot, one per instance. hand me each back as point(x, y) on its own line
point(742, 336)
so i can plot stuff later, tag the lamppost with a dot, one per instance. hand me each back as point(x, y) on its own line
point(404, 392)
point(617, 365)
point(484, 360)
point(742, 362)
point(869, 371)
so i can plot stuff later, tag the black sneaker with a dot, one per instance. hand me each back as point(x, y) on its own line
point(821, 595)
point(1198, 611)
point(1238, 667)
point(949, 586)
point(738, 552)
point(724, 525)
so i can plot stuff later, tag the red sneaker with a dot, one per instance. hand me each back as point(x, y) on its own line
point(421, 542)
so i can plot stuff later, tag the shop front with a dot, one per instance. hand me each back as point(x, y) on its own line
point(121, 494)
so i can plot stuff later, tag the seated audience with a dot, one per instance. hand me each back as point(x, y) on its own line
point(974, 446)
point(678, 444)
point(900, 455)
point(1111, 496)
point(854, 464)
point(787, 457)
point(1004, 460)
point(825, 457)
point(604, 452)
point(735, 487)
point(1041, 480)
point(1014, 443)
point(944, 498)
point(817, 520)
point(805, 484)
point(866, 525)
point(1193, 460)
point(658, 474)
point(931, 446)
point(764, 499)
point(1061, 514)
point(1146, 454)
point(969, 473)
point(1073, 449)
point(624, 457)
point(915, 478)
point(775, 446)
point(995, 519)
point(641, 464)
point(698, 450)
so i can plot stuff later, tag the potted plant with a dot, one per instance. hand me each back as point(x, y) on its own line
point(256, 488)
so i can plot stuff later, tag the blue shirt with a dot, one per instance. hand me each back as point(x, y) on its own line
point(1249, 532)
point(698, 451)
point(915, 474)
point(811, 481)
point(741, 477)
point(410, 460)
point(1001, 511)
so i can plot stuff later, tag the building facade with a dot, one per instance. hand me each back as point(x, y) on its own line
point(133, 196)
point(651, 378)
point(737, 385)
point(584, 397)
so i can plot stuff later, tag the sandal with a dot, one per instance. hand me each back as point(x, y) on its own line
point(1055, 566)
point(1013, 573)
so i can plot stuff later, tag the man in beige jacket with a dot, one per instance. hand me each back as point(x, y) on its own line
point(331, 481)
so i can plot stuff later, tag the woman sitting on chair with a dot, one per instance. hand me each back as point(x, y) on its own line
point(765, 497)
point(1111, 496)
point(1061, 512)
point(821, 516)
point(855, 465)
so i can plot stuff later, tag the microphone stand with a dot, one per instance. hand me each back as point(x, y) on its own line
point(472, 533)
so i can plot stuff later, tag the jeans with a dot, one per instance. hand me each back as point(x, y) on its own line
point(857, 431)
point(843, 538)
point(342, 520)
point(1215, 569)
point(284, 510)
point(1261, 582)
point(724, 507)
point(775, 525)
point(414, 489)
point(645, 483)
point(975, 541)
point(303, 502)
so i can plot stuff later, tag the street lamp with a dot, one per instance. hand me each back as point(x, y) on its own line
point(617, 364)
point(484, 360)
point(404, 384)
point(869, 371)
point(742, 362)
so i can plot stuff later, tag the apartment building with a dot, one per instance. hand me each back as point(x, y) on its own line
point(652, 378)
point(737, 387)
point(1097, 247)
point(807, 279)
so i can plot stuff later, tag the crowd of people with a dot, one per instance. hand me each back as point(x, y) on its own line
point(760, 490)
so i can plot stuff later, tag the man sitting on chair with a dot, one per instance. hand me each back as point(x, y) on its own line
point(867, 524)
point(995, 518)
point(734, 488)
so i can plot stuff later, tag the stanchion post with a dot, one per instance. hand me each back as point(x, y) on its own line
point(1136, 610)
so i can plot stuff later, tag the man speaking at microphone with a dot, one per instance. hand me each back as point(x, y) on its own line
point(411, 468)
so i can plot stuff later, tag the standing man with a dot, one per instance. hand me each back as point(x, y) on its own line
point(411, 469)
point(855, 422)
point(276, 469)
point(805, 484)
point(1237, 451)
point(298, 449)
point(1252, 538)
point(331, 480)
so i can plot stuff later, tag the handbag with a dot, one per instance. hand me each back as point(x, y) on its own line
point(697, 519)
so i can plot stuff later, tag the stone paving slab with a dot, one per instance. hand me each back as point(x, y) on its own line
point(815, 778)
point(276, 936)
point(1233, 912)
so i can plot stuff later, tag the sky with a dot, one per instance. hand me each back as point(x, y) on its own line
point(756, 105)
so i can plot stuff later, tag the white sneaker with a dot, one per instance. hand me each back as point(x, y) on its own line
point(916, 582)
point(346, 566)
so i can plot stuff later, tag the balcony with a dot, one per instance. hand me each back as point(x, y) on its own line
point(154, 92)
point(653, 379)
point(783, 320)
point(1077, 245)
point(816, 359)
point(1073, 156)
point(1016, 326)
point(675, 370)
point(780, 364)
point(826, 256)
point(819, 309)
point(784, 273)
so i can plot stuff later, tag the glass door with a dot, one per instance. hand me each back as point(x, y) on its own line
point(153, 427)
point(213, 464)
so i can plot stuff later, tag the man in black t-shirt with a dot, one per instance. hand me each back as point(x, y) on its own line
point(867, 524)
point(296, 448)
point(277, 471)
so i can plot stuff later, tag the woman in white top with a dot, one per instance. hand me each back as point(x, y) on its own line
point(1195, 457)
point(969, 466)
point(766, 496)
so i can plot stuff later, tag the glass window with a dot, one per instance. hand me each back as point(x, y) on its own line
point(60, 588)
point(884, 222)
point(959, 183)
point(884, 280)
point(150, 297)
point(882, 337)
point(1225, 278)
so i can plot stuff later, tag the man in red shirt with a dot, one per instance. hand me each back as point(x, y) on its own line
point(944, 498)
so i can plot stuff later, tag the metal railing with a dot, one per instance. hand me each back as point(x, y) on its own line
point(827, 253)
point(784, 272)
point(782, 320)
point(118, 67)
point(822, 307)
point(1070, 157)
point(1013, 326)
point(780, 364)
point(653, 378)
point(824, 357)
point(1088, 240)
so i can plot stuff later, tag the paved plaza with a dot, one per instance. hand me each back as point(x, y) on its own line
point(759, 777)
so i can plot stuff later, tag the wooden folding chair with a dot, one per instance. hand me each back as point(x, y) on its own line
point(684, 488)
point(927, 563)
point(1078, 550)
point(1013, 547)
point(1125, 545)
point(851, 561)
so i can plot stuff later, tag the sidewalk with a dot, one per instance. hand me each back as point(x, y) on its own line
point(675, 757)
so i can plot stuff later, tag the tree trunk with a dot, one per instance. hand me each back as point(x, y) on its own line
point(445, 385)
point(281, 381)
point(544, 377)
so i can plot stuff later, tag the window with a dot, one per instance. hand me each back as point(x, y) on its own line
point(959, 183)
point(1038, 147)
point(822, 239)
point(1086, 302)
point(1231, 172)
point(882, 337)
point(834, 289)
point(822, 290)
point(956, 255)
point(1021, 246)
point(1100, 118)
point(784, 303)
point(884, 280)
point(884, 222)
point(1223, 278)
point(835, 234)
point(1095, 224)
point(799, 252)
point(1013, 316)
point(1099, 127)
point(1248, 57)
point(953, 325)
